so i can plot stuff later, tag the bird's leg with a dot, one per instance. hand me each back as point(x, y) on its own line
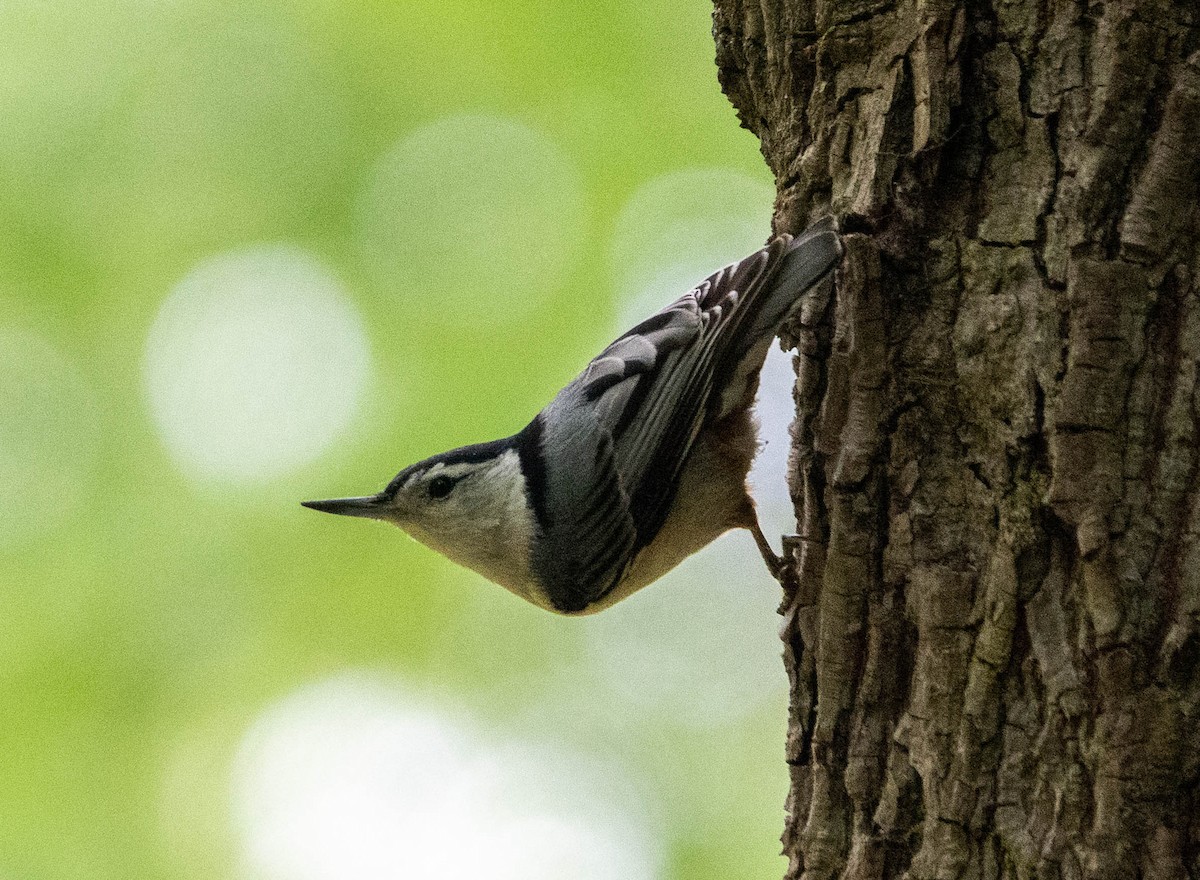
point(781, 569)
point(778, 565)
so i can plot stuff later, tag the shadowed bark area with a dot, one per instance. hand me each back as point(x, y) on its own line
point(994, 636)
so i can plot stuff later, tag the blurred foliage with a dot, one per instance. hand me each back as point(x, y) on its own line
point(146, 628)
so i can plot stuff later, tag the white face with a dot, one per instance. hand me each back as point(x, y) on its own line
point(474, 513)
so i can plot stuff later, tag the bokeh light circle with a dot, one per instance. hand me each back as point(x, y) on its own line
point(351, 777)
point(255, 364)
point(48, 435)
point(473, 219)
point(699, 646)
point(678, 228)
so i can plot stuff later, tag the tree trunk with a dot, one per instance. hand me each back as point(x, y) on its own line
point(994, 636)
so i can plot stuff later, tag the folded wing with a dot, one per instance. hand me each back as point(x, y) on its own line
point(622, 431)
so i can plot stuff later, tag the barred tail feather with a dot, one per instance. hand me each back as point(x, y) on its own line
point(810, 259)
point(808, 262)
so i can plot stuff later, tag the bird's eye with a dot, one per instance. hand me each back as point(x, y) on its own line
point(439, 487)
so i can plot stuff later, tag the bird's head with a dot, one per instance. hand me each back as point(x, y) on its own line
point(469, 504)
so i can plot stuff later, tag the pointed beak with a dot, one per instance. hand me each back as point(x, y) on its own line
point(370, 506)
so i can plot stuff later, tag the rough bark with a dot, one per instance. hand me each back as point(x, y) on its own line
point(994, 638)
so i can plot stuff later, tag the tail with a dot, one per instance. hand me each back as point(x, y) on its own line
point(809, 261)
point(806, 262)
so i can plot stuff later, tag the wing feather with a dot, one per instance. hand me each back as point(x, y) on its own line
point(586, 531)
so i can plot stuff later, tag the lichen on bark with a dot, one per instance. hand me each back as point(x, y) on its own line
point(994, 637)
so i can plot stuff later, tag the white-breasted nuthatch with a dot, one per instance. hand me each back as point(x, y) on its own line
point(635, 465)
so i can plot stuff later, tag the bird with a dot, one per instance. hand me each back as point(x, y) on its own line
point(636, 464)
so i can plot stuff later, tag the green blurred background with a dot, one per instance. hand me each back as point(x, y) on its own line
point(257, 252)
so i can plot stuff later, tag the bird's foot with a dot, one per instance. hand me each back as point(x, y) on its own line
point(791, 588)
point(779, 566)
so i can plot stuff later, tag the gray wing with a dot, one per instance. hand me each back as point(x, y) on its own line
point(623, 430)
point(586, 533)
